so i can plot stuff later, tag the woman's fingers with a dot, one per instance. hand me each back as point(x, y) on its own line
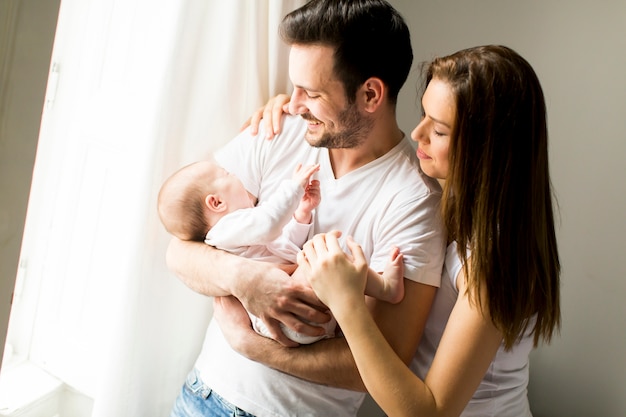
point(357, 252)
point(309, 251)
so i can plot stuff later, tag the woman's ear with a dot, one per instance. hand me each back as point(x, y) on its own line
point(373, 91)
point(214, 203)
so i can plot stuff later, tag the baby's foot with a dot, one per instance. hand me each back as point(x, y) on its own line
point(393, 277)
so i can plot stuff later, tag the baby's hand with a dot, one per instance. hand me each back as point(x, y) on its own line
point(302, 174)
point(310, 200)
point(312, 196)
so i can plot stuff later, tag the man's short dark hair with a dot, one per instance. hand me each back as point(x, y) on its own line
point(369, 37)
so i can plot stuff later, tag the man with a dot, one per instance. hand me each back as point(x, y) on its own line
point(348, 61)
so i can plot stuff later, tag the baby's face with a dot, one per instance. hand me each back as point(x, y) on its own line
point(230, 189)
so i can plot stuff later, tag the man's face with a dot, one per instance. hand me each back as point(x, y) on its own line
point(319, 98)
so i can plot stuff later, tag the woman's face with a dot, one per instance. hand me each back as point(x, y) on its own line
point(433, 132)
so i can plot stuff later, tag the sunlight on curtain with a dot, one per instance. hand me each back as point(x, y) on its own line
point(221, 70)
point(144, 87)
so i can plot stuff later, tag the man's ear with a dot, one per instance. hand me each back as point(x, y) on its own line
point(373, 92)
point(214, 203)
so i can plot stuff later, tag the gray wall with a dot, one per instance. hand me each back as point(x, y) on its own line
point(26, 36)
point(578, 49)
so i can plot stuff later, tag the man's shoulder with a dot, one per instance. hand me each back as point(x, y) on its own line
point(292, 130)
point(290, 121)
point(291, 135)
point(409, 173)
point(245, 143)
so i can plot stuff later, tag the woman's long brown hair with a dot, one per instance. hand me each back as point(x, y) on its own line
point(497, 200)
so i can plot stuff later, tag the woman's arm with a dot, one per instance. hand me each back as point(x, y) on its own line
point(468, 345)
point(330, 361)
point(327, 361)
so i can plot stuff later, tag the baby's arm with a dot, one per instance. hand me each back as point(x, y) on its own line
point(310, 200)
point(312, 195)
point(264, 223)
point(296, 232)
point(388, 286)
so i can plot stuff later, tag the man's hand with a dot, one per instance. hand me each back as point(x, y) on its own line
point(265, 289)
point(275, 297)
point(233, 320)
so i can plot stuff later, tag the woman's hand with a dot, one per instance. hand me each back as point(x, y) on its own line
point(337, 278)
point(271, 114)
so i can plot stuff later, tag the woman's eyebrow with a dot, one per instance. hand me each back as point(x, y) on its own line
point(439, 121)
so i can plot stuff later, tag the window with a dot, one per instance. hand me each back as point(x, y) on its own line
point(90, 192)
point(138, 94)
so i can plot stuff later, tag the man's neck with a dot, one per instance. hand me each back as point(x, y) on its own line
point(378, 143)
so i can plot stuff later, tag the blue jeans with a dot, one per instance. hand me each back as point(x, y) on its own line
point(198, 400)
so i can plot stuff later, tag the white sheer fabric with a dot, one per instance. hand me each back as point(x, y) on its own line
point(226, 61)
point(145, 87)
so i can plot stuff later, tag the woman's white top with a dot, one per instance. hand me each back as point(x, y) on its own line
point(502, 392)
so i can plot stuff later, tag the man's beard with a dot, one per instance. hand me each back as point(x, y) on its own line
point(354, 129)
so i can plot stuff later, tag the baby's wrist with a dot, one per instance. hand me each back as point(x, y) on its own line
point(303, 217)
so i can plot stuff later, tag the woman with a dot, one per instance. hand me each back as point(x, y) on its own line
point(483, 134)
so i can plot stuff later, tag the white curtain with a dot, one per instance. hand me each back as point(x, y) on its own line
point(170, 80)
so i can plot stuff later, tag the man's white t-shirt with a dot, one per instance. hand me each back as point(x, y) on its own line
point(384, 203)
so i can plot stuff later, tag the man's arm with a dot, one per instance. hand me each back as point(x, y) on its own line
point(265, 290)
point(191, 261)
point(329, 361)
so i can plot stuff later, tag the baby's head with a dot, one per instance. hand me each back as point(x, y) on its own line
point(196, 196)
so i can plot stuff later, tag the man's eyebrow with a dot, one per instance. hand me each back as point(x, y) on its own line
point(304, 87)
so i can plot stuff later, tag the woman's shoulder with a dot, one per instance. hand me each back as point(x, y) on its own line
point(453, 265)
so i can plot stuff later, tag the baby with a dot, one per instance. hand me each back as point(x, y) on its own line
point(203, 202)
